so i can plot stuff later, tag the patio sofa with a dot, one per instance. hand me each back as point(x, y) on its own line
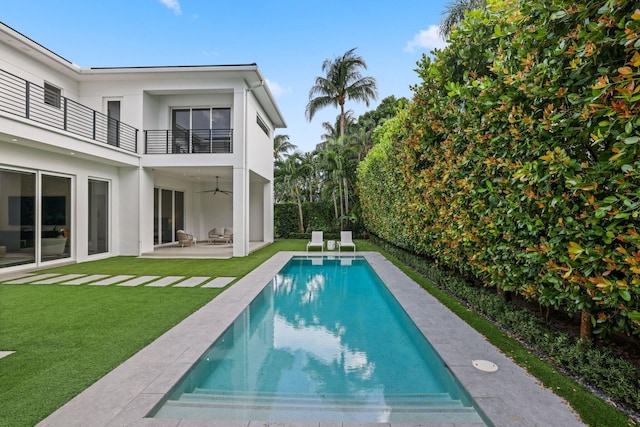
point(221, 235)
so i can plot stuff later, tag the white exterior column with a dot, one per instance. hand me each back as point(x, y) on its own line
point(240, 174)
point(240, 212)
point(268, 212)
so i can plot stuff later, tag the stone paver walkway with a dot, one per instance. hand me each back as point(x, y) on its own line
point(119, 280)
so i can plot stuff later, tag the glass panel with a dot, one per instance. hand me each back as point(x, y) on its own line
point(113, 113)
point(18, 221)
point(200, 125)
point(180, 125)
point(98, 217)
point(55, 218)
point(221, 118)
point(156, 216)
point(167, 216)
point(179, 210)
point(221, 125)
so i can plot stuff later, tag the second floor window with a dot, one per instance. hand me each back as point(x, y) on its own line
point(207, 130)
point(52, 95)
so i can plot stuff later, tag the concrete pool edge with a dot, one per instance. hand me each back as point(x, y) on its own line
point(127, 394)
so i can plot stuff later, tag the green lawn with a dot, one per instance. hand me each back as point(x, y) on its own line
point(67, 337)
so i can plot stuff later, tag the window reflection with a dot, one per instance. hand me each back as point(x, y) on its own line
point(18, 222)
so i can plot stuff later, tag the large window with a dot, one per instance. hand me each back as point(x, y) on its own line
point(17, 218)
point(98, 217)
point(168, 214)
point(34, 218)
point(201, 130)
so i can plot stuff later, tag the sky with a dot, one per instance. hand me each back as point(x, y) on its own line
point(288, 40)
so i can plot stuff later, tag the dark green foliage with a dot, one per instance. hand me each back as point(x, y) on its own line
point(318, 216)
point(518, 161)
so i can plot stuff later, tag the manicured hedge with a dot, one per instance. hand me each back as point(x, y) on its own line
point(518, 161)
point(316, 215)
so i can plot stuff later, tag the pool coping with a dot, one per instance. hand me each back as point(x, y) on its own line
point(127, 394)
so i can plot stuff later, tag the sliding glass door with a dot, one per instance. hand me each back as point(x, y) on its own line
point(55, 218)
point(201, 130)
point(98, 217)
point(18, 221)
point(168, 214)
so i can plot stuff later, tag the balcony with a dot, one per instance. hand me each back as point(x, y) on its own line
point(30, 101)
point(188, 141)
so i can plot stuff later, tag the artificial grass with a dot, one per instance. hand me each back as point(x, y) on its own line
point(67, 337)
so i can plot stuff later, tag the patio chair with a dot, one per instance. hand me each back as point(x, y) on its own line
point(346, 240)
point(317, 240)
point(184, 238)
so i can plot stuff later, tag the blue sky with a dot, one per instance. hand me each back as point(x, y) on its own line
point(288, 40)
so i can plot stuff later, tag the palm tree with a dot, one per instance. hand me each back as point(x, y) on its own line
point(343, 82)
point(282, 145)
point(454, 13)
point(290, 172)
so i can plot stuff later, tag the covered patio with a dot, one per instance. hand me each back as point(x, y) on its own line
point(200, 249)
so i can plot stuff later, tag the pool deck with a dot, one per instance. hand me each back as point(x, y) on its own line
point(123, 397)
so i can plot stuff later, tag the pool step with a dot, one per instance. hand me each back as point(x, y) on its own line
point(436, 407)
point(430, 399)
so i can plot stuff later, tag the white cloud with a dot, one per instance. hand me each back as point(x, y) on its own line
point(172, 5)
point(276, 89)
point(210, 53)
point(426, 39)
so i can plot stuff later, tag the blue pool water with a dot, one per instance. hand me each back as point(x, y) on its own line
point(324, 341)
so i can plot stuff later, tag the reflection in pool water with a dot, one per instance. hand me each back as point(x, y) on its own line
point(324, 341)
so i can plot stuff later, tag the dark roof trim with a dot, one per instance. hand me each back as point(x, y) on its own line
point(174, 66)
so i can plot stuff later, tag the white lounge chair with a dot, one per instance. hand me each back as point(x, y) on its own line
point(317, 240)
point(346, 240)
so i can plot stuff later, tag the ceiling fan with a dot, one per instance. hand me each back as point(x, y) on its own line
point(216, 190)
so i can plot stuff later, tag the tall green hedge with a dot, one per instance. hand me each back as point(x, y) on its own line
point(316, 215)
point(518, 161)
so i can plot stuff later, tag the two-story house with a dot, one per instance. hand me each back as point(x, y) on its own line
point(97, 162)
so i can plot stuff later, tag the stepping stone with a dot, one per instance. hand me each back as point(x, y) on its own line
point(191, 282)
point(58, 279)
point(137, 281)
point(112, 280)
point(87, 279)
point(165, 281)
point(5, 353)
point(219, 282)
point(18, 276)
point(32, 279)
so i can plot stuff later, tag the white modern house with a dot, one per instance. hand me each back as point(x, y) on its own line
point(97, 162)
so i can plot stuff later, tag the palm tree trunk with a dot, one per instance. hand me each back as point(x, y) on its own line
point(341, 207)
point(342, 124)
point(301, 223)
point(346, 196)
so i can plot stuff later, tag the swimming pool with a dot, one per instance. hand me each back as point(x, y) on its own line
point(324, 341)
